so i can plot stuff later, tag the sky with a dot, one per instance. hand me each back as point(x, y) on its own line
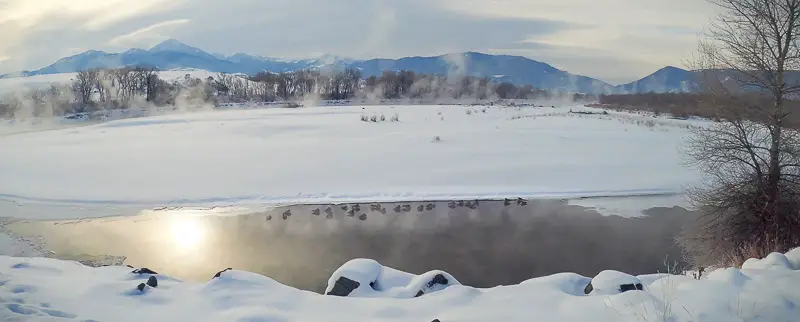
point(613, 40)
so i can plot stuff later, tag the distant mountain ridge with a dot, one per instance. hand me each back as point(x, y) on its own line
point(665, 80)
point(173, 54)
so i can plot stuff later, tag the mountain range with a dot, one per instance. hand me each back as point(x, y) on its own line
point(173, 54)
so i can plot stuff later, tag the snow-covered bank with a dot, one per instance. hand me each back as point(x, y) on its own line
point(43, 289)
point(327, 154)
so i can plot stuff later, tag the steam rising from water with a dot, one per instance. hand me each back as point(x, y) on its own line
point(491, 245)
point(43, 106)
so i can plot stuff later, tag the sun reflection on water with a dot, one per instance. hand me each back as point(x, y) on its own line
point(187, 231)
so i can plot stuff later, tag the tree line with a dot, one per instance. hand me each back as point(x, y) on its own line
point(99, 89)
point(685, 105)
point(349, 84)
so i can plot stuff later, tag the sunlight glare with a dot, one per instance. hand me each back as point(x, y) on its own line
point(187, 232)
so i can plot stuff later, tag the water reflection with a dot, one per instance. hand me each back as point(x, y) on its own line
point(187, 232)
point(484, 244)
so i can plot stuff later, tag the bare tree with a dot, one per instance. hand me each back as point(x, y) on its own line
point(83, 86)
point(506, 90)
point(123, 81)
point(150, 82)
point(6, 110)
point(750, 199)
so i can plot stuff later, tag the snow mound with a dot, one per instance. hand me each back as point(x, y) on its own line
point(39, 289)
point(565, 283)
point(234, 279)
point(613, 282)
point(368, 278)
point(729, 275)
point(772, 261)
point(648, 279)
point(794, 257)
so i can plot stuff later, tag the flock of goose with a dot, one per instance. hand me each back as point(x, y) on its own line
point(352, 210)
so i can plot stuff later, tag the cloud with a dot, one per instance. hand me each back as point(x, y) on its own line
point(355, 28)
point(629, 38)
point(639, 50)
point(611, 13)
point(384, 23)
point(147, 34)
point(130, 9)
point(96, 14)
point(647, 34)
point(21, 21)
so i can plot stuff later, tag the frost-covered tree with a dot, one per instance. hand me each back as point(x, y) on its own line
point(750, 200)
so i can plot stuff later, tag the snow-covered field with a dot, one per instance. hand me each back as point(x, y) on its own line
point(51, 290)
point(324, 154)
point(240, 160)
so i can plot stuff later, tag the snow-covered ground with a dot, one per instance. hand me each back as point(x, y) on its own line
point(325, 154)
point(239, 160)
point(37, 289)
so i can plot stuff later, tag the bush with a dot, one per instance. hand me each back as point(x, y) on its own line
point(291, 105)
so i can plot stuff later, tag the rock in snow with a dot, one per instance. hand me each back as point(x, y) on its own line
point(143, 270)
point(343, 287)
point(220, 272)
point(152, 281)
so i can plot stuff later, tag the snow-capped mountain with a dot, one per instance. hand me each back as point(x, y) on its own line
point(173, 54)
point(252, 64)
point(329, 60)
point(173, 46)
point(666, 80)
point(501, 68)
point(170, 54)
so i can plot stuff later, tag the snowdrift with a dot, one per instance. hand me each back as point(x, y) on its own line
point(48, 289)
point(368, 278)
